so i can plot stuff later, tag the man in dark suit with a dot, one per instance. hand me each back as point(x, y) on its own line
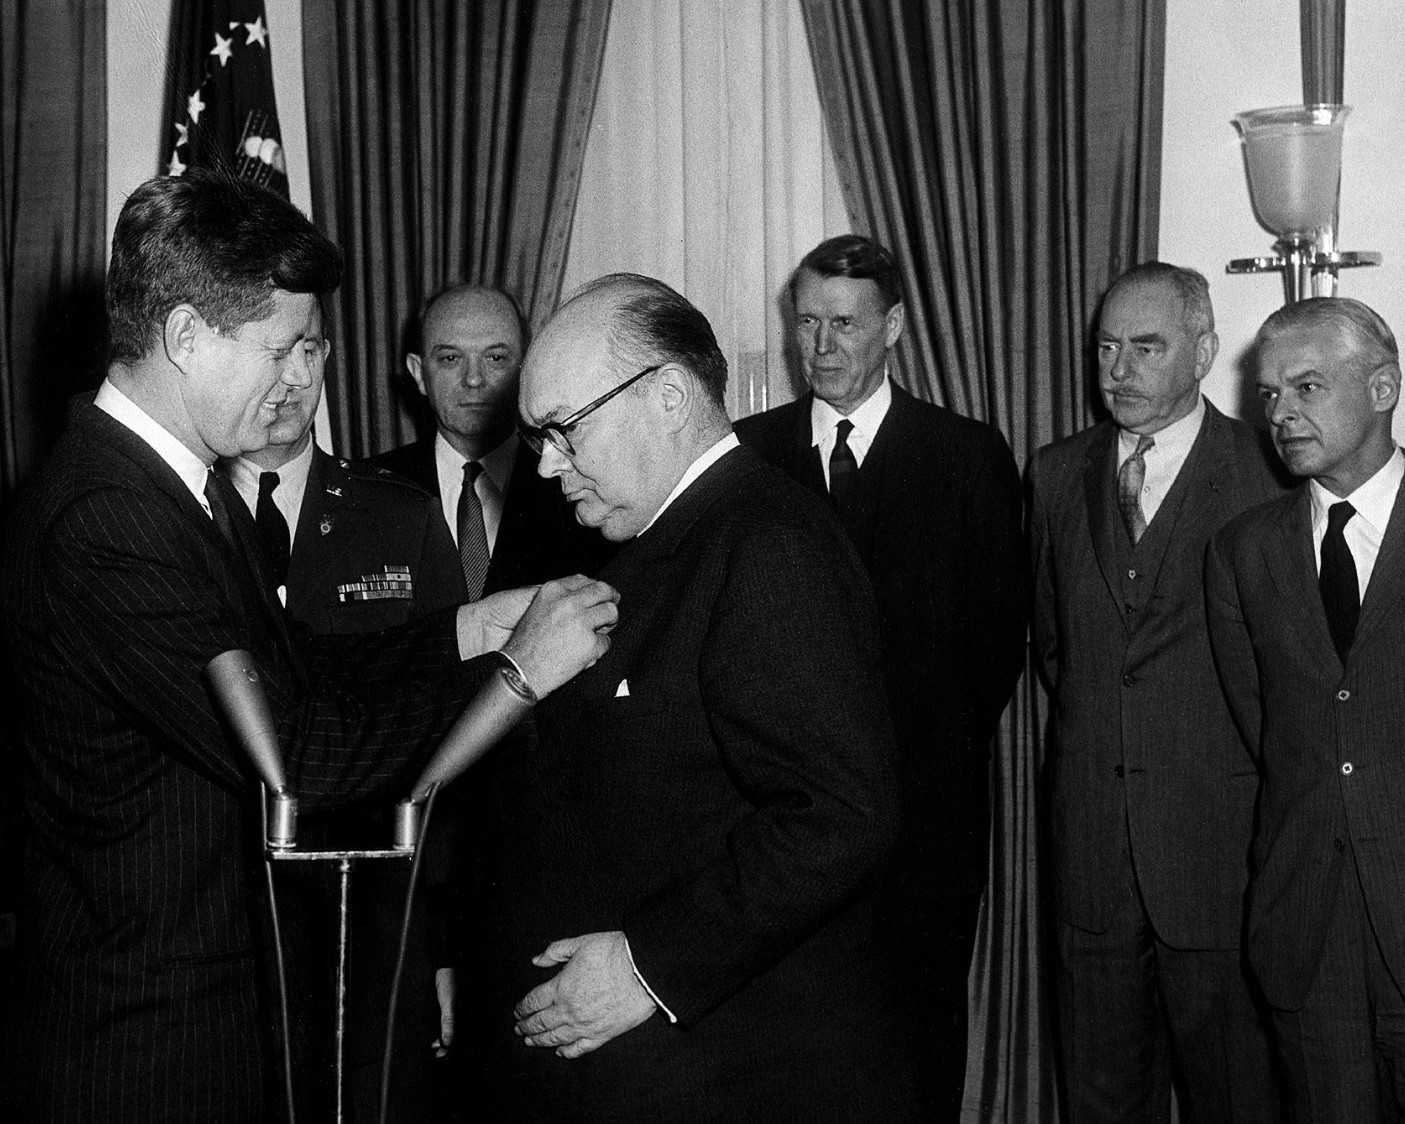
point(369, 550)
point(1151, 789)
point(466, 364)
point(683, 871)
point(1308, 627)
point(127, 567)
point(932, 502)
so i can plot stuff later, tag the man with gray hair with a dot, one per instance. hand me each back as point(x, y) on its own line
point(1307, 624)
point(1152, 791)
point(682, 874)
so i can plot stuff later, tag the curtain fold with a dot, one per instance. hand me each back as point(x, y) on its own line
point(1008, 151)
point(53, 198)
point(445, 143)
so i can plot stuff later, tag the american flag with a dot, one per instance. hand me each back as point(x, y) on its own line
point(219, 100)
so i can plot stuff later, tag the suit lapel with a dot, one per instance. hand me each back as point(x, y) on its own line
point(803, 456)
point(1292, 564)
point(1387, 576)
point(1102, 526)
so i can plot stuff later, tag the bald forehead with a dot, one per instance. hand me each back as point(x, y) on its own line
point(570, 361)
point(482, 313)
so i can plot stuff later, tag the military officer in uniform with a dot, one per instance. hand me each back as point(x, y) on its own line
point(356, 548)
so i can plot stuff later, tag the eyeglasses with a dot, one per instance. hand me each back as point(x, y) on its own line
point(557, 434)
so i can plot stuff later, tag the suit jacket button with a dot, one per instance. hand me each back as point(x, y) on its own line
point(1346, 768)
point(1129, 680)
point(1119, 770)
point(1343, 695)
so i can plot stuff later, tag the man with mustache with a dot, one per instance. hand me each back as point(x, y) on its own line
point(1151, 790)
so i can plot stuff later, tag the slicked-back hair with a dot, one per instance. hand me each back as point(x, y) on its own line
point(415, 340)
point(1369, 340)
point(853, 255)
point(655, 324)
point(1189, 284)
point(220, 244)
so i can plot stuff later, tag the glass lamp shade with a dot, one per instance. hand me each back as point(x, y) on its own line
point(1294, 157)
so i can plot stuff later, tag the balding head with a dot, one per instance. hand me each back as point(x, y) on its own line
point(619, 461)
point(470, 347)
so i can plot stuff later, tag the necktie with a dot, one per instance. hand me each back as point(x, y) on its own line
point(1130, 478)
point(1341, 595)
point(273, 529)
point(843, 468)
point(473, 536)
point(219, 510)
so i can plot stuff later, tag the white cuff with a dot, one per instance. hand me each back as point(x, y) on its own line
point(645, 983)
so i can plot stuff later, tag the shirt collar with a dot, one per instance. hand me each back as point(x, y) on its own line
point(1373, 500)
point(190, 468)
point(696, 469)
point(292, 475)
point(1173, 442)
point(866, 418)
point(497, 463)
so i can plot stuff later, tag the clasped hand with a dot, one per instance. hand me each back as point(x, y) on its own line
point(595, 997)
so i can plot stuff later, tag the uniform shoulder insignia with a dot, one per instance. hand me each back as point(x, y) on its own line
point(374, 473)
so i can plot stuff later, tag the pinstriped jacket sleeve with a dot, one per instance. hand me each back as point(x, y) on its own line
point(140, 602)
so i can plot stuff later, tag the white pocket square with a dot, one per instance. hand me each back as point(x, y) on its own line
point(622, 691)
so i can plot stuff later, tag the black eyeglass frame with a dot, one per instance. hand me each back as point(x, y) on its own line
point(557, 433)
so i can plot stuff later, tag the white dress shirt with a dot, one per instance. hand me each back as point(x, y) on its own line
point(825, 419)
point(192, 471)
point(490, 487)
point(1164, 459)
point(287, 497)
point(696, 469)
point(1373, 501)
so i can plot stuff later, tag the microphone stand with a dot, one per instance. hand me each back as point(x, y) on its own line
point(502, 702)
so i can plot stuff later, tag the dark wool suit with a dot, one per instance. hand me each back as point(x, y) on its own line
point(538, 538)
point(939, 532)
point(1331, 815)
point(731, 813)
point(144, 984)
point(1150, 783)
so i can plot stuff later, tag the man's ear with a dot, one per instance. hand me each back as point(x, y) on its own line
point(415, 365)
point(1206, 348)
point(180, 335)
point(1384, 383)
point(894, 323)
point(675, 391)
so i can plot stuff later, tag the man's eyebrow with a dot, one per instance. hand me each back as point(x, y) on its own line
point(1149, 337)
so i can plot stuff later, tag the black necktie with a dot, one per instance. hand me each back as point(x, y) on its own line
point(219, 510)
point(1341, 595)
point(843, 469)
point(473, 535)
point(1130, 479)
point(273, 529)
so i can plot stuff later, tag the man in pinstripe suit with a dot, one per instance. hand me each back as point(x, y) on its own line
point(127, 567)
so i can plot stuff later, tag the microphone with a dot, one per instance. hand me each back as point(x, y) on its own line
point(501, 703)
point(234, 680)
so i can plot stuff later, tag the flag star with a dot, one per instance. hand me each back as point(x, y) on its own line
point(223, 48)
point(182, 134)
point(195, 106)
point(257, 33)
point(175, 167)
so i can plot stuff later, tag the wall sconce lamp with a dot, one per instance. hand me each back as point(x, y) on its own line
point(1294, 160)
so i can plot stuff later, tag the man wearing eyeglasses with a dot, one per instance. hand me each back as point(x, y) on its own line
point(510, 526)
point(682, 872)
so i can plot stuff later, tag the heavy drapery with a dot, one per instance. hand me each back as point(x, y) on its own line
point(53, 191)
point(445, 144)
point(1009, 152)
